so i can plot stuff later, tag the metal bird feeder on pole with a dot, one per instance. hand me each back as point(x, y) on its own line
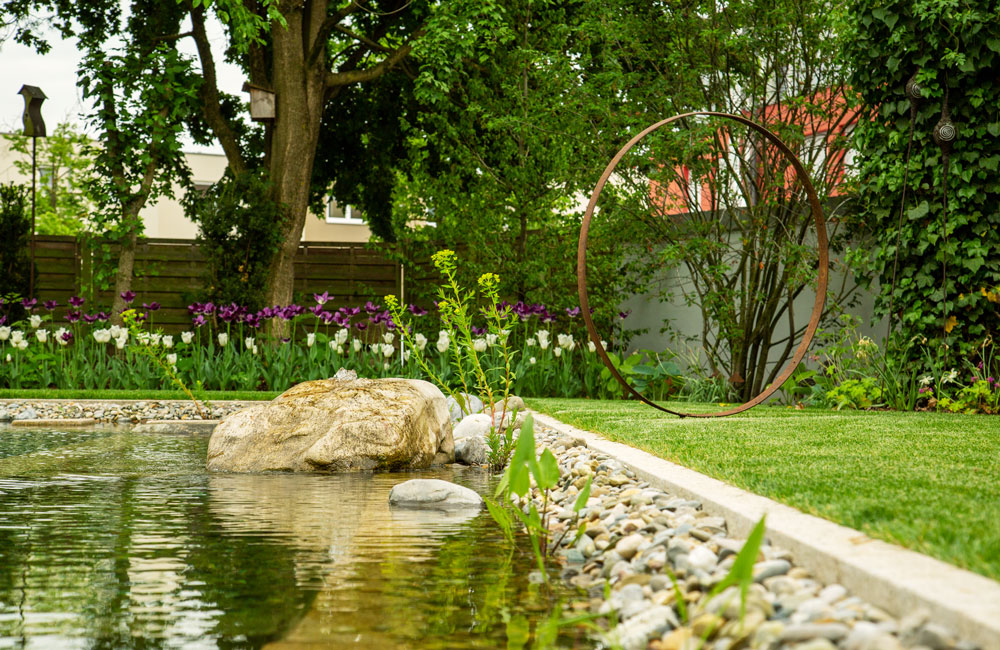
point(34, 126)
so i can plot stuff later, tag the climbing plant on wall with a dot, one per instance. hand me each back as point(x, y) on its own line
point(941, 281)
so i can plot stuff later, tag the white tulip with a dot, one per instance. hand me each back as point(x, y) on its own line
point(532, 361)
point(120, 342)
point(340, 349)
point(4, 333)
point(115, 331)
point(16, 337)
point(420, 341)
point(172, 359)
point(333, 345)
point(187, 336)
point(388, 350)
point(22, 344)
point(543, 340)
point(591, 346)
point(42, 335)
point(168, 341)
point(566, 341)
point(254, 350)
point(8, 358)
point(491, 339)
point(143, 338)
point(223, 339)
point(406, 356)
point(531, 342)
point(310, 339)
point(102, 335)
point(557, 352)
point(442, 344)
point(357, 345)
point(341, 336)
point(388, 338)
point(35, 321)
point(479, 345)
point(385, 366)
point(59, 336)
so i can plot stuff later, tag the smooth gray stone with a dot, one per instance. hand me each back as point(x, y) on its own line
point(433, 493)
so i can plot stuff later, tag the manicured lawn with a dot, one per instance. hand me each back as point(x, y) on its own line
point(54, 393)
point(927, 481)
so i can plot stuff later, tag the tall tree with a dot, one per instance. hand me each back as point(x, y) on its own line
point(141, 91)
point(314, 51)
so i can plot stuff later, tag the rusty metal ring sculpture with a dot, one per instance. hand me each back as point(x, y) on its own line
point(822, 279)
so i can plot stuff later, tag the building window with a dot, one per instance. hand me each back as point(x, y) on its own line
point(347, 214)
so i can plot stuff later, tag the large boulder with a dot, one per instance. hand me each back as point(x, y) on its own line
point(332, 425)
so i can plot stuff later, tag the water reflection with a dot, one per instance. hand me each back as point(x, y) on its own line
point(123, 541)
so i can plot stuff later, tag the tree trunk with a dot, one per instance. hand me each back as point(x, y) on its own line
point(123, 278)
point(299, 93)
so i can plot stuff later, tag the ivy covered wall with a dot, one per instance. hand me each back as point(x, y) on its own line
point(947, 283)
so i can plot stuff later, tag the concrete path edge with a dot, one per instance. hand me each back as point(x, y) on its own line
point(896, 579)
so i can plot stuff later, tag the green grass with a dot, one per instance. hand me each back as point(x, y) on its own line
point(926, 481)
point(152, 395)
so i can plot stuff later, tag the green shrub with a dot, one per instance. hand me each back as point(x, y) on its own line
point(15, 238)
point(239, 231)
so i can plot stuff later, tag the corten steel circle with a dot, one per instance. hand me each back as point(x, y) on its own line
point(822, 279)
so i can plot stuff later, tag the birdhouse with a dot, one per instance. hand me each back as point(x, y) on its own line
point(261, 103)
point(34, 125)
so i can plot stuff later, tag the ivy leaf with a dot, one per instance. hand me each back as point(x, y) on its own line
point(918, 212)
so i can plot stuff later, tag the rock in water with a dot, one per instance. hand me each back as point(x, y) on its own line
point(332, 425)
point(433, 493)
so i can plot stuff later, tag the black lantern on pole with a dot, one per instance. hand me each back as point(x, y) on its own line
point(34, 126)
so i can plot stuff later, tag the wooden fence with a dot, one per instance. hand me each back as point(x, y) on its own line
point(171, 272)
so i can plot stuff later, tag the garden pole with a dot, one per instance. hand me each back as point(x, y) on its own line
point(31, 281)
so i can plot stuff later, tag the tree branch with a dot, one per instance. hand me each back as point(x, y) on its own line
point(209, 91)
point(360, 76)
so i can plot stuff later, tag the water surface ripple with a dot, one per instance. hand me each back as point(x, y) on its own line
point(119, 540)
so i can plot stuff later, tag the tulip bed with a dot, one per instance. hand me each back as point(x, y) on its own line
point(227, 349)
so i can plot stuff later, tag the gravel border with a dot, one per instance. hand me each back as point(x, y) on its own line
point(78, 412)
point(644, 515)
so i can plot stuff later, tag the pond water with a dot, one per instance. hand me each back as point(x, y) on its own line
point(110, 539)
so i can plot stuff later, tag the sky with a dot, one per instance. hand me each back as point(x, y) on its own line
point(55, 74)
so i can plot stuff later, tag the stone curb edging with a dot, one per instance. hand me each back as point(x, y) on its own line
point(891, 577)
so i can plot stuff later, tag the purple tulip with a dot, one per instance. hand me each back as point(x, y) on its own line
point(3, 319)
point(417, 311)
point(361, 326)
point(198, 320)
point(208, 308)
point(321, 298)
point(317, 309)
point(327, 317)
point(370, 307)
point(478, 331)
point(50, 304)
point(76, 301)
point(67, 336)
point(624, 314)
point(73, 316)
point(103, 316)
point(153, 306)
point(29, 304)
point(127, 296)
point(573, 313)
point(89, 318)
